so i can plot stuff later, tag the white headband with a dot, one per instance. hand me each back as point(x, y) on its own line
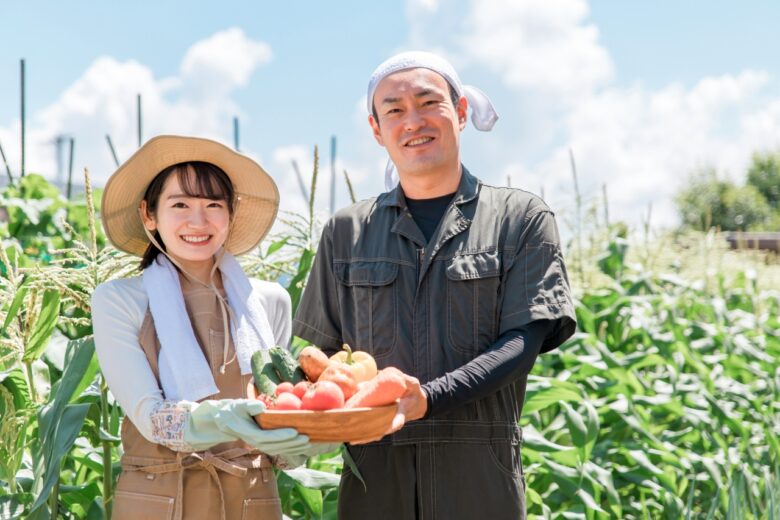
point(483, 115)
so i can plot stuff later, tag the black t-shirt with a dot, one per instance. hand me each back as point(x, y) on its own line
point(428, 212)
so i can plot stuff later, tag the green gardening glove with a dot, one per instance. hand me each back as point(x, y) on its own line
point(225, 420)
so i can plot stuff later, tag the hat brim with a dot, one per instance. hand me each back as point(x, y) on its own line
point(257, 192)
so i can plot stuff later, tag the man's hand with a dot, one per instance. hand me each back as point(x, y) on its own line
point(412, 406)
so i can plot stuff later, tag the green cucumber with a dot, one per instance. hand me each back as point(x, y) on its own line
point(286, 365)
point(264, 374)
point(270, 373)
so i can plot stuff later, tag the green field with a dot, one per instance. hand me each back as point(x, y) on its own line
point(665, 404)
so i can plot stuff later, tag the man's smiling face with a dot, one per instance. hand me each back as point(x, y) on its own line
point(417, 122)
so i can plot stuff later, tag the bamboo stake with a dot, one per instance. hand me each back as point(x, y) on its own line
point(7, 168)
point(58, 142)
point(138, 113)
point(235, 133)
point(349, 187)
point(332, 174)
point(301, 184)
point(23, 103)
point(70, 170)
point(113, 151)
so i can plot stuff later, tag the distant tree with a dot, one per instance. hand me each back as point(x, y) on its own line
point(764, 174)
point(708, 201)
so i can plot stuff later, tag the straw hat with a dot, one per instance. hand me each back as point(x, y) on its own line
point(256, 190)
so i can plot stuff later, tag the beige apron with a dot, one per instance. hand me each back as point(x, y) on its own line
point(158, 483)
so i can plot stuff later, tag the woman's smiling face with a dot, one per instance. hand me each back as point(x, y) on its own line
point(192, 228)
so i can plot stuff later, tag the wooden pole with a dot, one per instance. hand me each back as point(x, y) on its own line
point(113, 151)
point(7, 168)
point(332, 174)
point(301, 184)
point(23, 114)
point(138, 112)
point(70, 170)
point(235, 133)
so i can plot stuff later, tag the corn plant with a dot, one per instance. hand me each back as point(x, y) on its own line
point(663, 405)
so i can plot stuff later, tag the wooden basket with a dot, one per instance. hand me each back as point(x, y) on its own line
point(338, 425)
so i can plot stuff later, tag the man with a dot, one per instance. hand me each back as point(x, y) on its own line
point(458, 284)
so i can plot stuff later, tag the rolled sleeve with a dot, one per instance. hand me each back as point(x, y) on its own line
point(537, 285)
point(317, 319)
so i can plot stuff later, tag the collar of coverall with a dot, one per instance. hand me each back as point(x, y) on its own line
point(467, 191)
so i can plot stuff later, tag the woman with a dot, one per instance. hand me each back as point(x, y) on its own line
point(174, 344)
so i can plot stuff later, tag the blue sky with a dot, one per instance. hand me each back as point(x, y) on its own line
point(642, 93)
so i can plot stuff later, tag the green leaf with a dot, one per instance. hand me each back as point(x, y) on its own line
point(59, 423)
point(96, 510)
point(44, 326)
point(91, 374)
point(56, 447)
point(314, 479)
point(588, 500)
point(15, 382)
point(603, 477)
point(541, 399)
point(296, 284)
point(352, 465)
point(593, 422)
point(576, 425)
point(16, 304)
point(276, 246)
point(533, 440)
point(640, 457)
point(83, 494)
point(311, 498)
point(13, 506)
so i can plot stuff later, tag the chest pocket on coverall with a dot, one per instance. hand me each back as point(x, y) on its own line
point(472, 293)
point(370, 302)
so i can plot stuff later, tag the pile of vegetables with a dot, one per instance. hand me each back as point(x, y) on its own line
point(317, 382)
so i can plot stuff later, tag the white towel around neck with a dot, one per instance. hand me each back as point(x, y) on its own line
point(184, 371)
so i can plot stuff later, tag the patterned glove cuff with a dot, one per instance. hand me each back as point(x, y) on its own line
point(169, 419)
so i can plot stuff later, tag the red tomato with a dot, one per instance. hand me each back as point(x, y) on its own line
point(300, 388)
point(287, 401)
point(284, 388)
point(340, 374)
point(324, 395)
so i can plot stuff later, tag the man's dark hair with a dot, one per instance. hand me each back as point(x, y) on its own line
point(453, 96)
point(197, 179)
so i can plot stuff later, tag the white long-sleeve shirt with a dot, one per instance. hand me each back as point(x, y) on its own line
point(118, 311)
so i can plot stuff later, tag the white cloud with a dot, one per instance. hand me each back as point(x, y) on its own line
point(641, 143)
point(539, 45)
point(547, 46)
point(222, 62)
point(103, 101)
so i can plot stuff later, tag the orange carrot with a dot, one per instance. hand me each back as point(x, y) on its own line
point(384, 388)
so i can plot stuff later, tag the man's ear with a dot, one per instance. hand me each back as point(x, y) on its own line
point(375, 127)
point(462, 110)
point(149, 222)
